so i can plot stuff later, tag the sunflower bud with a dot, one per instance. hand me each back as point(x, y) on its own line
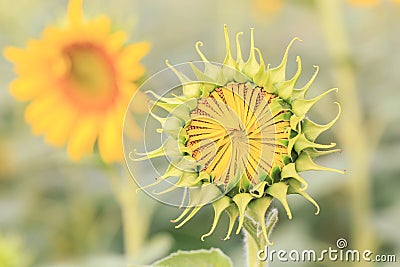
point(246, 135)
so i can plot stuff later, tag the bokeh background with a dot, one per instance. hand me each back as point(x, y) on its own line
point(54, 212)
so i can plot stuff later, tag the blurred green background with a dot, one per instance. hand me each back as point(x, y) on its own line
point(54, 212)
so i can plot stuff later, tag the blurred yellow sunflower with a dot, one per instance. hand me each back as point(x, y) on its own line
point(267, 6)
point(79, 80)
point(365, 3)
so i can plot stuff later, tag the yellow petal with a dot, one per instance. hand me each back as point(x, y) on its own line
point(135, 52)
point(41, 125)
point(110, 139)
point(128, 60)
point(82, 137)
point(99, 28)
point(42, 114)
point(134, 72)
point(75, 13)
point(40, 107)
point(14, 54)
point(127, 89)
point(53, 34)
point(61, 128)
point(115, 41)
point(24, 89)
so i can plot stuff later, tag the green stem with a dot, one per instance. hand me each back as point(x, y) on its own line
point(135, 221)
point(252, 251)
point(134, 228)
point(353, 133)
point(255, 240)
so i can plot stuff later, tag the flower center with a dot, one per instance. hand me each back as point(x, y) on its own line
point(233, 133)
point(238, 136)
point(89, 81)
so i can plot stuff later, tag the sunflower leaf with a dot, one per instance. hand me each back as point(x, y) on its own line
point(200, 258)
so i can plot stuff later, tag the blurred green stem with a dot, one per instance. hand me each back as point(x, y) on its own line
point(353, 133)
point(135, 220)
